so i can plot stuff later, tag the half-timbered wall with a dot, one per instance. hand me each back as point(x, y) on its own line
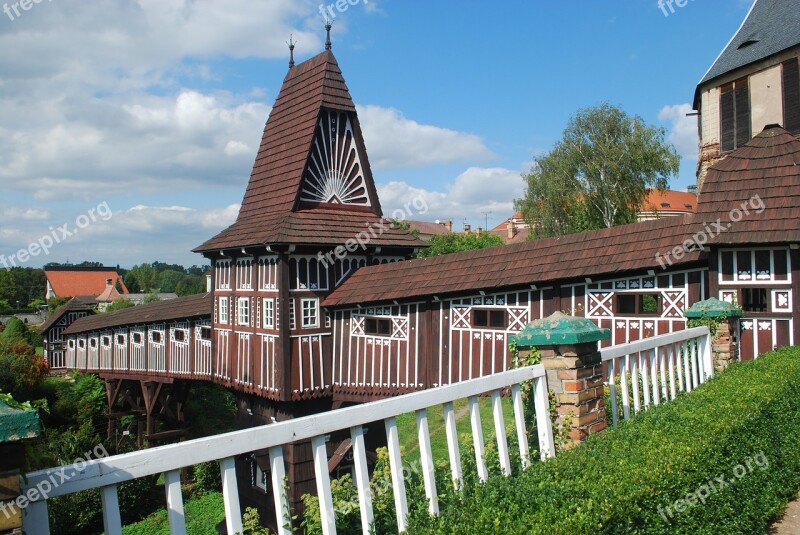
point(760, 281)
point(377, 350)
point(54, 347)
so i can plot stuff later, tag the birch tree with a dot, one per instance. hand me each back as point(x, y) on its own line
point(598, 174)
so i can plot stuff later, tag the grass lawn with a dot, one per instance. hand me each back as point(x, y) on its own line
point(202, 514)
point(407, 427)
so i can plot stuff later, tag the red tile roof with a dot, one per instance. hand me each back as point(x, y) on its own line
point(70, 283)
point(670, 201)
point(192, 307)
point(270, 212)
point(426, 228)
point(767, 166)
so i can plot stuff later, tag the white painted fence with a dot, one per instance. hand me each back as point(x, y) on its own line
point(105, 474)
point(664, 365)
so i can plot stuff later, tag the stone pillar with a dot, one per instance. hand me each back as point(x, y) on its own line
point(725, 338)
point(569, 351)
point(15, 426)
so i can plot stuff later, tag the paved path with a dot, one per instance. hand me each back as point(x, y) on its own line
point(790, 523)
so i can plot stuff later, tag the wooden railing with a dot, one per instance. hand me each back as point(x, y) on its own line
point(105, 474)
point(656, 369)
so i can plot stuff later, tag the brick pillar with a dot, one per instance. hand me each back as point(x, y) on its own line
point(724, 341)
point(568, 347)
point(575, 377)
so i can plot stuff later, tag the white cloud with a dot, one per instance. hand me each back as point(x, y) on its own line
point(473, 192)
point(395, 142)
point(682, 129)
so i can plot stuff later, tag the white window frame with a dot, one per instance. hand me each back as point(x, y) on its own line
point(243, 311)
point(224, 310)
point(268, 313)
point(307, 307)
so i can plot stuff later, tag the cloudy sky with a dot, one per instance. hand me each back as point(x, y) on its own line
point(135, 123)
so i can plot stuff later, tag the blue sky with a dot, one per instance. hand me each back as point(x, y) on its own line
point(154, 108)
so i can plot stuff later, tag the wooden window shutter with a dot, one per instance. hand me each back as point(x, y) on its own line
point(791, 96)
point(742, 103)
point(727, 119)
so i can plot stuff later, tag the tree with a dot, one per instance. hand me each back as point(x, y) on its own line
point(120, 304)
point(455, 243)
point(168, 280)
point(146, 277)
point(8, 286)
point(190, 285)
point(21, 369)
point(598, 174)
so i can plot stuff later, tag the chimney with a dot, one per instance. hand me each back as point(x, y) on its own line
point(511, 228)
point(109, 283)
point(208, 283)
point(480, 231)
point(467, 228)
point(449, 225)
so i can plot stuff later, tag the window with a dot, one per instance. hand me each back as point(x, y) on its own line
point(269, 313)
point(205, 333)
point(791, 96)
point(179, 334)
point(137, 338)
point(223, 310)
point(378, 327)
point(754, 300)
point(93, 343)
point(244, 275)
point(310, 313)
point(292, 324)
point(106, 341)
point(638, 304)
point(492, 319)
point(121, 339)
point(71, 344)
point(243, 306)
point(734, 115)
point(155, 337)
point(222, 275)
point(82, 344)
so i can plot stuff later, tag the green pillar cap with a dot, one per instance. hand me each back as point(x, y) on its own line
point(16, 425)
point(713, 308)
point(560, 329)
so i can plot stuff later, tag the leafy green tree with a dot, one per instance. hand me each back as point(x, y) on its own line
point(8, 286)
point(598, 174)
point(456, 243)
point(191, 285)
point(151, 298)
point(15, 331)
point(54, 303)
point(120, 304)
point(146, 277)
point(168, 280)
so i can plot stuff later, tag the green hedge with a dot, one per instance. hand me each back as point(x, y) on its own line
point(744, 425)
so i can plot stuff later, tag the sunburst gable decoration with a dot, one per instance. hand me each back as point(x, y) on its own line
point(334, 173)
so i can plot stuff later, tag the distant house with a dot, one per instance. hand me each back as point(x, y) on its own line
point(52, 330)
point(70, 281)
point(755, 82)
point(668, 203)
point(428, 230)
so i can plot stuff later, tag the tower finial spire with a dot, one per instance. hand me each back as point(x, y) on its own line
point(291, 44)
point(328, 30)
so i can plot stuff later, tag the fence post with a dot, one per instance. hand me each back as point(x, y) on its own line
point(723, 342)
point(568, 346)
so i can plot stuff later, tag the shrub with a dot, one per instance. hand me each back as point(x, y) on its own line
point(744, 423)
point(21, 369)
